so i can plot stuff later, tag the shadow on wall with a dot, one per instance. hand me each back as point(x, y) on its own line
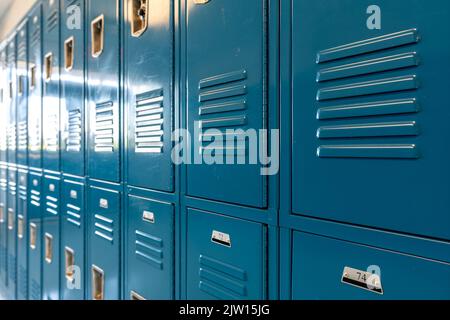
point(11, 13)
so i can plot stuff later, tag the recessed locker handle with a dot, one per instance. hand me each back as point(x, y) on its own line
point(70, 263)
point(33, 235)
point(2, 214)
point(32, 77)
point(20, 227)
point(48, 248)
point(20, 88)
point(98, 283)
point(138, 16)
point(68, 53)
point(136, 296)
point(10, 219)
point(97, 35)
point(48, 66)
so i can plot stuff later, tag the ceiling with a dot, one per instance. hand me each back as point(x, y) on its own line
point(11, 13)
point(4, 4)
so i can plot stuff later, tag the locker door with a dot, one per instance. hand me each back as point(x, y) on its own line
point(22, 95)
point(103, 90)
point(35, 89)
point(149, 95)
point(3, 105)
point(370, 113)
point(51, 237)
point(72, 240)
point(150, 249)
point(35, 253)
point(3, 223)
point(104, 244)
point(325, 268)
point(226, 81)
point(12, 99)
point(72, 88)
point(22, 236)
point(12, 227)
point(51, 64)
point(226, 258)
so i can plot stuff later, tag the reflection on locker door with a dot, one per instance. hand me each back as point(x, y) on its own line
point(149, 98)
point(51, 237)
point(226, 257)
point(72, 89)
point(72, 240)
point(3, 224)
point(22, 94)
point(370, 113)
point(103, 272)
point(103, 90)
point(35, 89)
point(11, 217)
point(51, 64)
point(35, 204)
point(150, 250)
point(226, 80)
point(22, 235)
point(11, 101)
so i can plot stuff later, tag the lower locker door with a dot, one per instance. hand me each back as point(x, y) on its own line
point(11, 237)
point(104, 244)
point(226, 257)
point(34, 237)
point(325, 268)
point(22, 237)
point(150, 249)
point(3, 227)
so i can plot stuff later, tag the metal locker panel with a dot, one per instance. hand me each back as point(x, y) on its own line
point(369, 114)
point(11, 218)
point(104, 136)
point(35, 89)
point(227, 84)
point(72, 239)
point(72, 88)
point(226, 257)
point(149, 95)
point(150, 249)
point(3, 224)
point(51, 86)
point(35, 253)
point(3, 104)
point(51, 236)
point(327, 268)
point(11, 104)
point(22, 94)
point(22, 235)
point(103, 274)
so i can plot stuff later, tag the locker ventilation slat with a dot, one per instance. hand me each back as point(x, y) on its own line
point(149, 122)
point(52, 21)
point(12, 135)
point(35, 37)
point(51, 205)
point(35, 291)
point(149, 249)
point(104, 228)
point(35, 198)
point(22, 50)
point(73, 140)
point(222, 105)
point(368, 78)
point(34, 137)
point(23, 135)
point(73, 215)
point(52, 137)
point(104, 127)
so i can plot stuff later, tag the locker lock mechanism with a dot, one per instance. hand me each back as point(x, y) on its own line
point(221, 238)
point(139, 17)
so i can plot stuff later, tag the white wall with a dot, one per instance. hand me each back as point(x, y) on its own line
point(12, 12)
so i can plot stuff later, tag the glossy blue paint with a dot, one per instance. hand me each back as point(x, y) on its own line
point(22, 94)
point(72, 89)
point(4, 108)
point(103, 240)
point(51, 212)
point(72, 239)
point(11, 102)
point(22, 235)
point(12, 232)
point(51, 87)
point(104, 132)
point(3, 224)
point(226, 257)
point(36, 202)
point(148, 76)
point(149, 252)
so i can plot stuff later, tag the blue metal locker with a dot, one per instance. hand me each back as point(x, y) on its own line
point(35, 252)
point(3, 105)
point(35, 88)
point(72, 239)
point(149, 96)
point(51, 236)
point(226, 59)
point(150, 249)
point(22, 235)
point(22, 94)
point(72, 88)
point(51, 87)
point(11, 219)
point(12, 99)
point(3, 224)
point(226, 257)
point(369, 113)
point(103, 35)
point(103, 273)
point(327, 268)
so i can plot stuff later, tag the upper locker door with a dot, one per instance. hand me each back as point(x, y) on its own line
point(103, 90)
point(3, 108)
point(149, 97)
point(51, 86)
point(22, 95)
point(72, 87)
point(370, 113)
point(35, 89)
point(11, 104)
point(226, 82)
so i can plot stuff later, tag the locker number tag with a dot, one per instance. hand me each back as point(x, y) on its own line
point(221, 238)
point(73, 194)
point(51, 187)
point(103, 203)
point(35, 182)
point(148, 216)
point(362, 279)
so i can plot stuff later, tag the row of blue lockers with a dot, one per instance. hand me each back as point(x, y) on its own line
point(354, 203)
